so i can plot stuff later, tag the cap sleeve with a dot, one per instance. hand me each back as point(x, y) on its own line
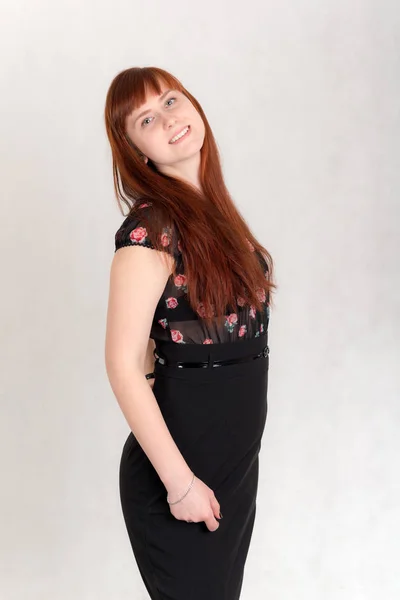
point(135, 230)
point(132, 233)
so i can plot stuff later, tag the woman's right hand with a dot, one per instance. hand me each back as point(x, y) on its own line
point(200, 504)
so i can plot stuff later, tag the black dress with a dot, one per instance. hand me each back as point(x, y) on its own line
point(216, 417)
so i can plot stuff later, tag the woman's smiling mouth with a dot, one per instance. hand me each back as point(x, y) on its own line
point(182, 134)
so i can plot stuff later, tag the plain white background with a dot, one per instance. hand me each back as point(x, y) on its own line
point(303, 98)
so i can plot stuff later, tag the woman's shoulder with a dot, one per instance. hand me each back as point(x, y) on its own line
point(134, 230)
point(137, 229)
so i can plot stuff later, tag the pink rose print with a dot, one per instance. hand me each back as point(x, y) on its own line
point(252, 311)
point(171, 302)
point(231, 322)
point(242, 331)
point(166, 238)
point(144, 205)
point(241, 301)
point(138, 235)
point(179, 246)
point(177, 336)
point(163, 323)
point(201, 310)
point(180, 281)
point(232, 318)
point(208, 341)
point(261, 328)
point(261, 294)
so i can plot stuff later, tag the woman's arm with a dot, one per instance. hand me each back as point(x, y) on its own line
point(137, 280)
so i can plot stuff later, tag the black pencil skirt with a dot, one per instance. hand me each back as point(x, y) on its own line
point(217, 417)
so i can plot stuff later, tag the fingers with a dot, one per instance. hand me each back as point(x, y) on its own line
point(215, 507)
point(214, 514)
point(211, 522)
point(207, 509)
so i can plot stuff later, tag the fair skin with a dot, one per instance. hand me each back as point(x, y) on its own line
point(131, 308)
point(165, 116)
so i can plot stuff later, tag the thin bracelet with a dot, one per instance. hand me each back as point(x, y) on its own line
point(185, 494)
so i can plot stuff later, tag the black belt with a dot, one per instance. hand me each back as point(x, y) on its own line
point(216, 363)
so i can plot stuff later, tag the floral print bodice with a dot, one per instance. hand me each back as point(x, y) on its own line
point(174, 319)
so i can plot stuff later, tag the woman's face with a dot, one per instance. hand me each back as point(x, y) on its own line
point(154, 125)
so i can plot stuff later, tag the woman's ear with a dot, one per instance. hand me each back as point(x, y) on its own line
point(140, 154)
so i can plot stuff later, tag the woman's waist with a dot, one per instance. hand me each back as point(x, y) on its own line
point(197, 353)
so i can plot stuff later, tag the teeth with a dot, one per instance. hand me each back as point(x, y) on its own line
point(177, 137)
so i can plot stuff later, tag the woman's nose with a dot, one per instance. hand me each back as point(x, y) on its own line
point(169, 122)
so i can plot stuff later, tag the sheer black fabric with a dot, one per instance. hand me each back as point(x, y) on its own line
point(174, 319)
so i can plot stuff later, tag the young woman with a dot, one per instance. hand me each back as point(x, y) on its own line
point(188, 314)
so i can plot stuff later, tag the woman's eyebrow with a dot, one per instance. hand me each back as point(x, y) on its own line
point(161, 98)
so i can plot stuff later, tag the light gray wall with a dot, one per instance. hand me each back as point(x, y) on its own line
point(303, 98)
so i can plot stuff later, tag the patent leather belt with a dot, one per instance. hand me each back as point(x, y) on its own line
point(216, 363)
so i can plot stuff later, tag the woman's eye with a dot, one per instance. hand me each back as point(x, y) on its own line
point(147, 118)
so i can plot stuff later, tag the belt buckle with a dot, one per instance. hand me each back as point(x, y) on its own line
point(265, 352)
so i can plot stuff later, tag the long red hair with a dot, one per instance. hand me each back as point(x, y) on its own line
point(223, 260)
